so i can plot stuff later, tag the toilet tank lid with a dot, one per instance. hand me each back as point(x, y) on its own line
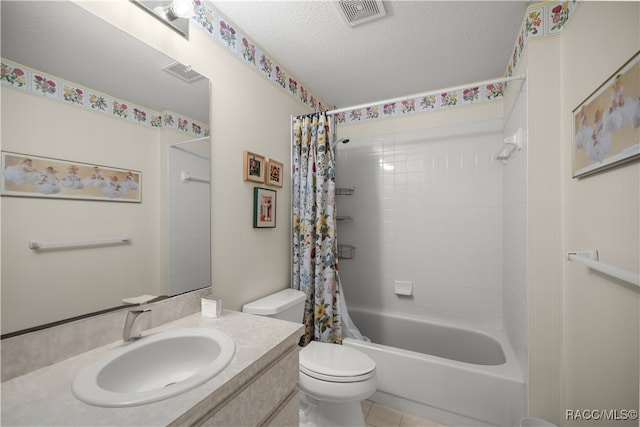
point(275, 303)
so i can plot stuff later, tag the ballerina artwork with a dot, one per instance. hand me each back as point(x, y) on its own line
point(72, 180)
point(584, 134)
point(600, 143)
point(22, 173)
point(130, 182)
point(49, 184)
point(114, 189)
point(607, 122)
point(624, 110)
point(32, 176)
point(95, 179)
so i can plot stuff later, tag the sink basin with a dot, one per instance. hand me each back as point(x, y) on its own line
point(154, 367)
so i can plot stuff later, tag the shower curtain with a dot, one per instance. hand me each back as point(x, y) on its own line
point(315, 254)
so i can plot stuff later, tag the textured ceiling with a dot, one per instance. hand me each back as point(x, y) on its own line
point(419, 46)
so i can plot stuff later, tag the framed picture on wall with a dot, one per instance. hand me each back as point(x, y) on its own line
point(264, 208)
point(606, 125)
point(254, 167)
point(274, 173)
point(34, 176)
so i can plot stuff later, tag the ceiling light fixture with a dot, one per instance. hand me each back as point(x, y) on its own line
point(175, 14)
point(177, 9)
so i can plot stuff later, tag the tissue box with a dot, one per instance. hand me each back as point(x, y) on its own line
point(211, 306)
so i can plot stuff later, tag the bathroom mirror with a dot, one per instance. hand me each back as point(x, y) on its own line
point(41, 287)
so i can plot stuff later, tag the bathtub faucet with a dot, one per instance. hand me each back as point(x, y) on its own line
point(132, 327)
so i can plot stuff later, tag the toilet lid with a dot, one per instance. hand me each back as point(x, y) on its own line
point(334, 362)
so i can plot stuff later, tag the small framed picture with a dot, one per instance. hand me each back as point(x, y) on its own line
point(274, 173)
point(254, 167)
point(264, 208)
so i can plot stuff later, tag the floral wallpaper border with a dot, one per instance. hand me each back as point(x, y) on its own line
point(227, 34)
point(541, 20)
point(39, 83)
point(446, 99)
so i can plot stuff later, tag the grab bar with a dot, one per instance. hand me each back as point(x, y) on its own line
point(187, 178)
point(36, 244)
point(590, 259)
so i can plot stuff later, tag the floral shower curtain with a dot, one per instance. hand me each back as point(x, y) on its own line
point(314, 228)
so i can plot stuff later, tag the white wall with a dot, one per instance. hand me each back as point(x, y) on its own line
point(601, 314)
point(583, 326)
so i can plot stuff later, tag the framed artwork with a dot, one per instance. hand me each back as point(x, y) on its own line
point(33, 176)
point(274, 173)
point(606, 125)
point(264, 208)
point(254, 167)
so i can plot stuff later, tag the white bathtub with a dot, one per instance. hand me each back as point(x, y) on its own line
point(457, 376)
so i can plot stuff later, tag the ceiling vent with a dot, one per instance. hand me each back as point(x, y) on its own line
point(356, 12)
point(183, 72)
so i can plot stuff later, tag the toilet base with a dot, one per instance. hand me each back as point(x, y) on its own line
point(315, 413)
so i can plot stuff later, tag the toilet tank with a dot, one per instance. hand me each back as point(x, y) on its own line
point(287, 304)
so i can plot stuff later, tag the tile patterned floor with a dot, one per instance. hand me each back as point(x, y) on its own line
point(377, 415)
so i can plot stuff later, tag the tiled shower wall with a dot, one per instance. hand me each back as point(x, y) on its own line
point(427, 208)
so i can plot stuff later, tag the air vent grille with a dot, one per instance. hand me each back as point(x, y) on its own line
point(183, 72)
point(356, 12)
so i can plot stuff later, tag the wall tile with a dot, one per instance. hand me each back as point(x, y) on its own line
point(439, 224)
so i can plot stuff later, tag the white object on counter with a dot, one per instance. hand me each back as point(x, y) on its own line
point(211, 306)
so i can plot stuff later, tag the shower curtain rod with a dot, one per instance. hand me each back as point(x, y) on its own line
point(175, 145)
point(433, 92)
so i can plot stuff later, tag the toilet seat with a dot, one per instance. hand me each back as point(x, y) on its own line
point(335, 363)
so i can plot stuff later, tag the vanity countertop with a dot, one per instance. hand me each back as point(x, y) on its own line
point(43, 397)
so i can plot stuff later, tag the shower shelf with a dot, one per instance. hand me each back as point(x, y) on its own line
point(346, 251)
point(345, 191)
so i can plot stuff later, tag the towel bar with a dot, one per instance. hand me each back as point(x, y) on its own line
point(590, 259)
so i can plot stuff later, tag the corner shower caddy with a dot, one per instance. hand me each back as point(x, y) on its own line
point(345, 251)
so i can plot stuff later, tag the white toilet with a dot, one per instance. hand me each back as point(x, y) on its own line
point(333, 379)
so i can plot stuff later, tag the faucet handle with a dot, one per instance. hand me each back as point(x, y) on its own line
point(132, 327)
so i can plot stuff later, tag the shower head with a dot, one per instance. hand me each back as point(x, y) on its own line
point(343, 140)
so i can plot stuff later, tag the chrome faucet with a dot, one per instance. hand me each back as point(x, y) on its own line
point(132, 327)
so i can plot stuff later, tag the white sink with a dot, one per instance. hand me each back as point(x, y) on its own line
point(154, 367)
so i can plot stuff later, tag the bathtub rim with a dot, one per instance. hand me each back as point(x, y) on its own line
point(510, 370)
